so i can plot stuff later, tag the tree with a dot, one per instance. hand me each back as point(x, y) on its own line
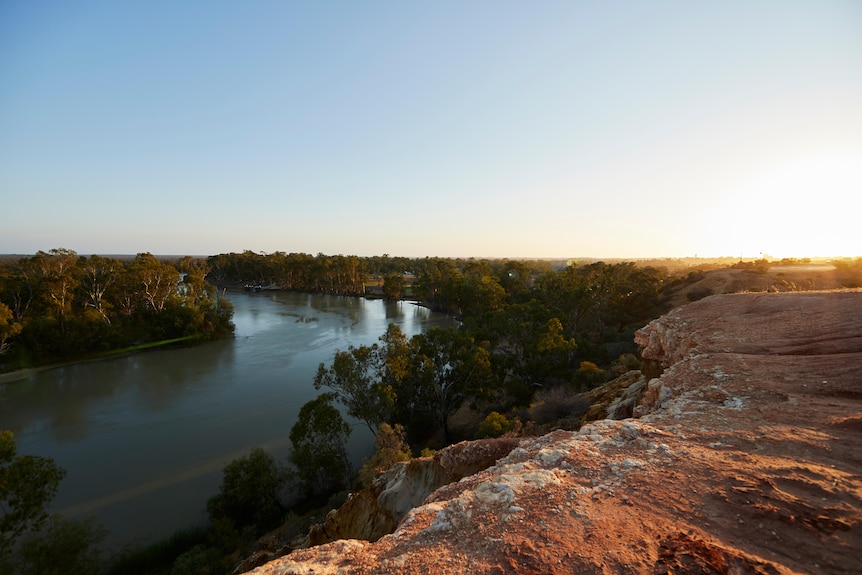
point(354, 378)
point(249, 494)
point(390, 448)
point(319, 453)
point(28, 483)
point(98, 274)
point(447, 366)
point(57, 280)
point(528, 343)
point(8, 327)
point(393, 286)
point(480, 292)
point(156, 281)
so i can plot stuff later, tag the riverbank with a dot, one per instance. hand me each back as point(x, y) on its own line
point(18, 374)
point(144, 436)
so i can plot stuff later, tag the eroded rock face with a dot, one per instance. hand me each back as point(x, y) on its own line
point(376, 511)
point(746, 458)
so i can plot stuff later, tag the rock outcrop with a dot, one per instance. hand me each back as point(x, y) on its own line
point(744, 456)
point(376, 511)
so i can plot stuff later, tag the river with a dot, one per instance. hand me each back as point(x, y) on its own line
point(144, 437)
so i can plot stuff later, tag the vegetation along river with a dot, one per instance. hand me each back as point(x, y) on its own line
point(145, 437)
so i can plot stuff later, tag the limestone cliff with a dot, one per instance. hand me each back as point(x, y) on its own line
point(743, 457)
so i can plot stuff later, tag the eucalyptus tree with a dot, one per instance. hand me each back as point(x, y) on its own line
point(446, 366)
point(57, 280)
point(355, 381)
point(319, 453)
point(393, 286)
point(250, 492)
point(8, 327)
point(529, 344)
point(156, 281)
point(98, 274)
point(364, 379)
point(28, 483)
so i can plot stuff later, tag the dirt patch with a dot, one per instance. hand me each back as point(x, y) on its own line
point(773, 279)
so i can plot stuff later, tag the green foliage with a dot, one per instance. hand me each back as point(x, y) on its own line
point(249, 492)
point(62, 547)
point(28, 483)
point(356, 380)
point(590, 374)
point(393, 286)
point(629, 361)
point(319, 454)
point(497, 425)
point(446, 367)
point(8, 327)
point(343, 275)
point(56, 305)
point(390, 448)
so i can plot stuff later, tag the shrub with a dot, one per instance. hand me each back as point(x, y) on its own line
point(625, 363)
point(391, 447)
point(558, 404)
point(695, 295)
point(589, 373)
point(497, 425)
point(249, 493)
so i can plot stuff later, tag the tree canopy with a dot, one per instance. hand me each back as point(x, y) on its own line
point(56, 305)
point(28, 483)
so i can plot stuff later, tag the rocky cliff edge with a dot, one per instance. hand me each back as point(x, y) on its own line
point(743, 456)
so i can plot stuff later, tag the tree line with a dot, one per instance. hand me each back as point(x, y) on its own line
point(56, 305)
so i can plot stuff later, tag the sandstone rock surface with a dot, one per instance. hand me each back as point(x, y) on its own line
point(746, 457)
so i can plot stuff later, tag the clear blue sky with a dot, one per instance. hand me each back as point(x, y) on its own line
point(455, 128)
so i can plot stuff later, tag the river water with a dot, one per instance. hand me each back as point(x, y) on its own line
point(144, 437)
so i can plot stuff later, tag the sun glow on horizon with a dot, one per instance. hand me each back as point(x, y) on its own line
point(805, 207)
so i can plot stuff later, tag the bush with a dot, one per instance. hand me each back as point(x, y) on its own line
point(695, 295)
point(497, 425)
point(391, 447)
point(558, 404)
point(590, 374)
point(625, 363)
point(249, 493)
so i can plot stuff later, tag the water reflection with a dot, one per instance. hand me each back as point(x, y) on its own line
point(144, 437)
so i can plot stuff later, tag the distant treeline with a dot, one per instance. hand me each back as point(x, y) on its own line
point(595, 302)
point(57, 305)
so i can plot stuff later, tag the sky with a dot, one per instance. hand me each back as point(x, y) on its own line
point(452, 128)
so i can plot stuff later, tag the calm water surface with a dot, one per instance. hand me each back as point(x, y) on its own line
point(144, 437)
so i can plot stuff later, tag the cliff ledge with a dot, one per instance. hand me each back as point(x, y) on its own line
point(744, 456)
